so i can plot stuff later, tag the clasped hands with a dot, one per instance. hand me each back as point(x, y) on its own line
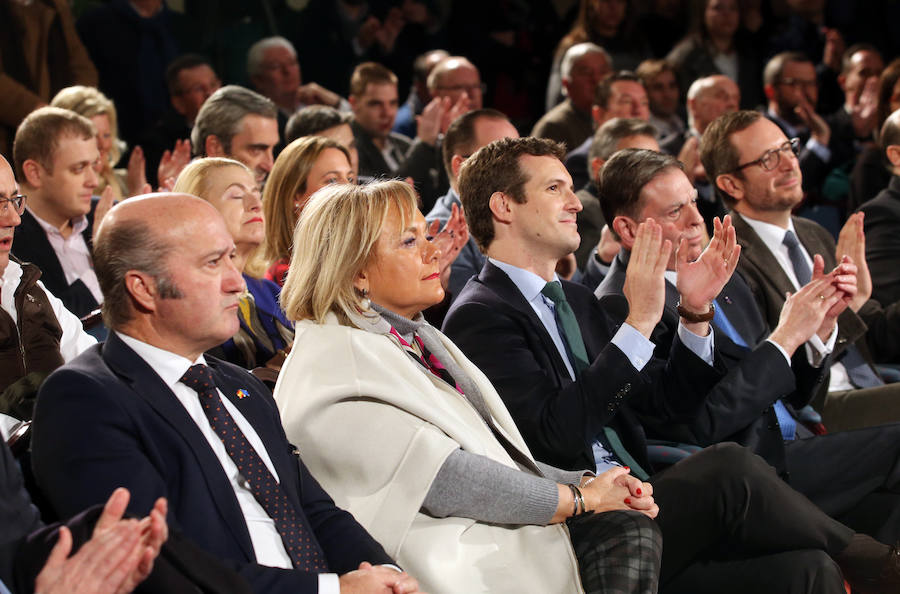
point(617, 489)
point(699, 282)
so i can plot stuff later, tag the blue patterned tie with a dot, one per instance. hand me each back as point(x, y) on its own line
point(298, 539)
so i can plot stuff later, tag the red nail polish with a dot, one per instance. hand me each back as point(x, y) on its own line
point(638, 491)
point(628, 501)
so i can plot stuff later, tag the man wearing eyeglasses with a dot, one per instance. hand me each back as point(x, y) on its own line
point(757, 174)
point(791, 88)
point(37, 332)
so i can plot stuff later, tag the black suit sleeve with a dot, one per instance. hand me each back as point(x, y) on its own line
point(18, 517)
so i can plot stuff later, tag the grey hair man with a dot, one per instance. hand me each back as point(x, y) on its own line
point(239, 124)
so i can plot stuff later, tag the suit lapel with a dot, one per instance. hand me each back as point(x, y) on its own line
point(150, 388)
point(499, 282)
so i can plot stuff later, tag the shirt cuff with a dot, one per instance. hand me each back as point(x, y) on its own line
point(634, 345)
point(820, 150)
point(780, 350)
point(816, 350)
point(702, 346)
point(329, 583)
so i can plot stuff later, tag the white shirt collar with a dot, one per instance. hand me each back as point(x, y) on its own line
point(167, 365)
point(79, 224)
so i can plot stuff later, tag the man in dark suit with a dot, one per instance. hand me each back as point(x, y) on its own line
point(791, 88)
point(758, 175)
point(383, 153)
point(573, 380)
point(145, 411)
point(882, 222)
point(53, 154)
point(619, 95)
point(766, 372)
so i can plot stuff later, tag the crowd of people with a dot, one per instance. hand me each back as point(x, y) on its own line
point(609, 303)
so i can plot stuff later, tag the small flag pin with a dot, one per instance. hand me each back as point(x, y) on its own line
point(242, 393)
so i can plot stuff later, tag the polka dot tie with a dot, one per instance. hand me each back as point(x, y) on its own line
point(298, 539)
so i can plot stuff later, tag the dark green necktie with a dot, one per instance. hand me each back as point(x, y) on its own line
point(565, 318)
point(566, 321)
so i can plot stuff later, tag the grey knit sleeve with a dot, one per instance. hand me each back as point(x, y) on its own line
point(473, 486)
point(565, 477)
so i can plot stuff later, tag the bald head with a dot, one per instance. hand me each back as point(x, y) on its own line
point(709, 98)
point(454, 76)
point(9, 217)
point(164, 262)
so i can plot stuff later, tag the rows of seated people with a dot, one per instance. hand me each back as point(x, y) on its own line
point(288, 338)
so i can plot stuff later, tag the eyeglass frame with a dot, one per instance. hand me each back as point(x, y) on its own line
point(5, 202)
point(793, 144)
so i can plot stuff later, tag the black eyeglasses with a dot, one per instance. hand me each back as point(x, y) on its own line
point(772, 157)
point(17, 201)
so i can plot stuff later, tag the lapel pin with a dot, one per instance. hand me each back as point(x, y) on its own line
point(727, 299)
point(242, 393)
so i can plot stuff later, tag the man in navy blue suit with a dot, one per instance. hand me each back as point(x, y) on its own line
point(147, 411)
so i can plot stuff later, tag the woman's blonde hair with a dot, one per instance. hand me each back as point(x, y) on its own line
point(90, 102)
point(287, 179)
point(196, 179)
point(334, 239)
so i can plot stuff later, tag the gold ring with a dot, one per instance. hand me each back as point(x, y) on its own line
point(822, 297)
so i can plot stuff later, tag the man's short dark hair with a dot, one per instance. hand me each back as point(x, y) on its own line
point(623, 177)
point(183, 62)
point(496, 168)
point(847, 58)
point(222, 114)
point(775, 66)
point(608, 136)
point(313, 119)
point(460, 136)
point(604, 88)
point(37, 137)
point(717, 153)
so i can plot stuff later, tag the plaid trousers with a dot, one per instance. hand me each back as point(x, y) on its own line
point(619, 552)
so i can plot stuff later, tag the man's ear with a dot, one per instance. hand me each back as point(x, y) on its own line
point(33, 173)
point(731, 185)
point(626, 229)
point(456, 163)
point(598, 114)
point(501, 207)
point(842, 80)
point(769, 91)
point(143, 290)
point(596, 164)
point(214, 147)
point(893, 154)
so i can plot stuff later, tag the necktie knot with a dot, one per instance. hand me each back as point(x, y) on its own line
point(790, 240)
point(199, 378)
point(553, 291)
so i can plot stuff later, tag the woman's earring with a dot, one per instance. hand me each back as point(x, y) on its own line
point(365, 303)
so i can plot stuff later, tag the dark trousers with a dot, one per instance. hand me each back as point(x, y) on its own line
point(853, 476)
point(730, 524)
point(618, 552)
